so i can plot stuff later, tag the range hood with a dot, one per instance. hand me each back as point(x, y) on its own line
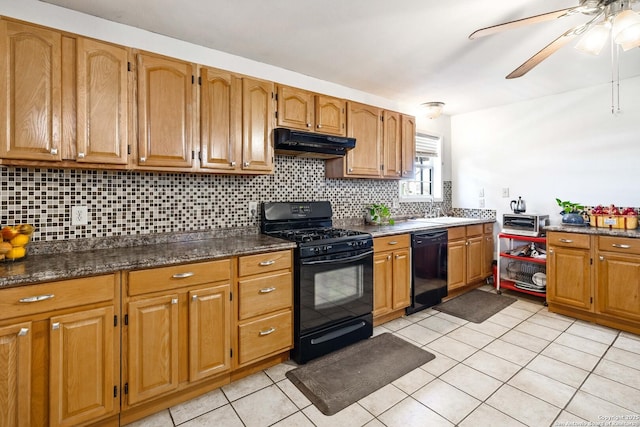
point(307, 144)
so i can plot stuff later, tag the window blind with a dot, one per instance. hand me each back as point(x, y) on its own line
point(427, 145)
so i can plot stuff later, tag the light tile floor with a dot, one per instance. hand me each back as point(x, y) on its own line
point(524, 366)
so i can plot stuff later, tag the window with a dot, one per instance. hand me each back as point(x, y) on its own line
point(427, 181)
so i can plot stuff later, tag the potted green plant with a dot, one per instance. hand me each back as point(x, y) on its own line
point(379, 214)
point(571, 212)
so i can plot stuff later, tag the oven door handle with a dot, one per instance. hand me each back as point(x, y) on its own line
point(338, 260)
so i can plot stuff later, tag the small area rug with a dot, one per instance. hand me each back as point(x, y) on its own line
point(475, 306)
point(343, 377)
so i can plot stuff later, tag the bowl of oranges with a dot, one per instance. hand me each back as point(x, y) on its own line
point(14, 241)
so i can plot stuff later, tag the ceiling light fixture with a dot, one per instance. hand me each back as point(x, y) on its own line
point(433, 110)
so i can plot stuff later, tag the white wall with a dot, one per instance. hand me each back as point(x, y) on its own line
point(568, 146)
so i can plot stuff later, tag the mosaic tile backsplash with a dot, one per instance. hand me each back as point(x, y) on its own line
point(127, 203)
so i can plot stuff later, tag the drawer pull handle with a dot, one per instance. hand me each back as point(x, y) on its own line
point(194, 298)
point(267, 290)
point(393, 242)
point(23, 332)
point(37, 298)
point(620, 246)
point(267, 332)
point(183, 275)
point(55, 326)
point(266, 263)
point(174, 300)
point(566, 240)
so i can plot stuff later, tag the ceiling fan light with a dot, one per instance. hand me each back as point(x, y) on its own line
point(433, 110)
point(626, 29)
point(593, 41)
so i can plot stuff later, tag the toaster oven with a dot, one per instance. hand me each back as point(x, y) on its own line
point(524, 224)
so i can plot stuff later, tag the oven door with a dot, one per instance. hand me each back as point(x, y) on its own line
point(334, 288)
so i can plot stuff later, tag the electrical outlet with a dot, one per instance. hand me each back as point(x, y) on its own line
point(505, 192)
point(79, 215)
point(253, 209)
point(395, 203)
point(481, 202)
point(481, 192)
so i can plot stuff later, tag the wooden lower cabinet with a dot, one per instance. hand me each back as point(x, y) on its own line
point(178, 328)
point(467, 256)
point(59, 352)
point(264, 306)
point(595, 278)
point(391, 276)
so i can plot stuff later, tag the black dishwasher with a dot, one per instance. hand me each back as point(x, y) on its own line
point(429, 269)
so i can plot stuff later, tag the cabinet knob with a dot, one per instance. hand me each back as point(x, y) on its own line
point(81, 155)
point(551, 251)
point(55, 326)
point(194, 298)
point(308, 125)
point(350, 170)
point(246, 164)
point(143, 159)
point(23, 332)
point(319, 126)
point(233, 163)
point(601, 258)
point(388, 257)
point(174, 300)
point(54, 151)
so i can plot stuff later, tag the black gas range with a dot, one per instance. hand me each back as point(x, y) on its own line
point(333, 277)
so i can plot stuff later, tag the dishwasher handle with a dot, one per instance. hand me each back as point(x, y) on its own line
point(431, 237)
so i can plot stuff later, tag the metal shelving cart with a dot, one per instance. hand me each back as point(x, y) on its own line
point(526, 264)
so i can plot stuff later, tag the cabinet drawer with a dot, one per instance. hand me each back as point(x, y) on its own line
point(456, 232)
point(264, 336)
point(390, 242)
point(488, 228)
point(569, 240)
point(619, 244)
point(177, 276)
point(34, 299)
point(265, 294)
point(475, 229)
point(264, 263)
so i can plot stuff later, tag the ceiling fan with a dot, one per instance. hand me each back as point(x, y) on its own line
point(615, 16)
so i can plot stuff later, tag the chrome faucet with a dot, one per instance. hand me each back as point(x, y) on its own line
point(429, 212)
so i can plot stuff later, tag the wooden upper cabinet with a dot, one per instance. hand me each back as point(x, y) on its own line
point(30, 86)
point(304, 110)
point(220, 120)
point(296, 108)
point(408, 143)
point(364, 123)
point(331, 115)
point(102, 102)
point(257, 117)
point(391, 145)
point(166, 100)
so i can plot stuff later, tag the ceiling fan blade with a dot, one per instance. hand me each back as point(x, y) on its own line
point(543, 54)
point(522, 22)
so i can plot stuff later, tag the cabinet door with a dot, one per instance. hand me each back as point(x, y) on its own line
point(382, 283)
point(295, 108)
point(330, 115)
point(408, 137)
point(568, 277)
point(457, 264)
point(401, 279)
point(475, 259)
point(364, 124)
point(31, 92)
point(102, 108)
point(165, 112)
point(619, 286)
point(209, 331)
point(81, 379)
point(257, 119)
point(153, 347)
point(15, 375)
point(220, 120)
point(391, 145)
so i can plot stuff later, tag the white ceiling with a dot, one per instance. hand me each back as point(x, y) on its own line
point(409, 51)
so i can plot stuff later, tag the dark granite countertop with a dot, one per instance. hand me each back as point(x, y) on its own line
point(42, 267)
point(418, 224)
point(599, 231)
